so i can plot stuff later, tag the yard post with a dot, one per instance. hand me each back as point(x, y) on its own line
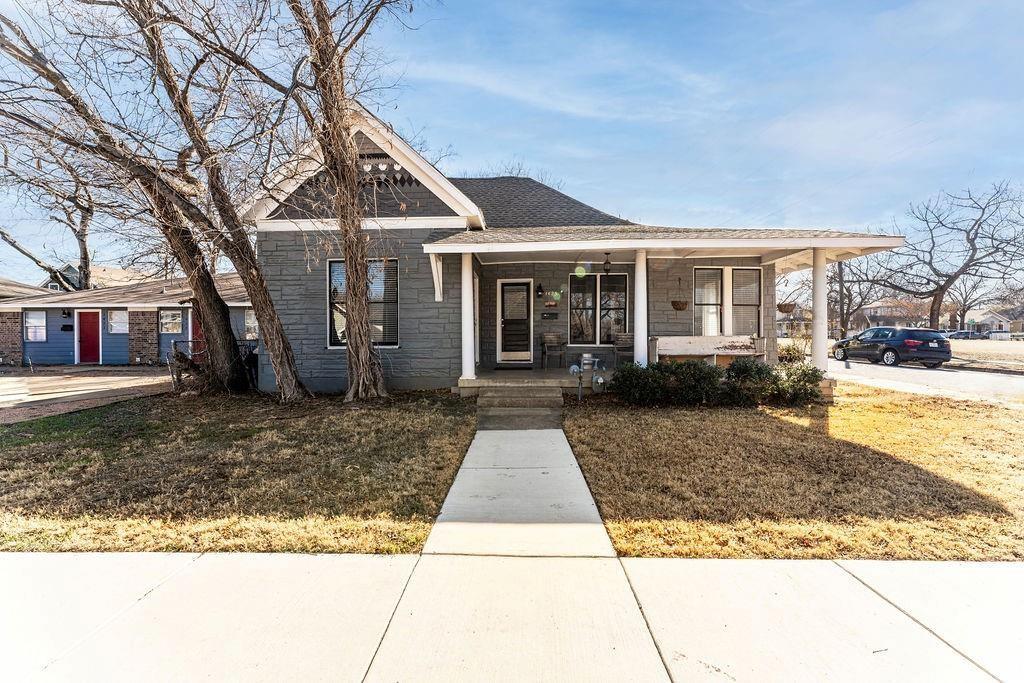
point(819, 310)
point(640, 308)
point(468, 342)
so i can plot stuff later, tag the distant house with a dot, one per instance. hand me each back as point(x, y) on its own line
point(987, 320)
point(125, 325)
point(10, 289)
point(102, 276)
point(793, 320)
point(892, 312)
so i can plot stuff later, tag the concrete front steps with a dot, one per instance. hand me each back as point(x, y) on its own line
point(519, 407)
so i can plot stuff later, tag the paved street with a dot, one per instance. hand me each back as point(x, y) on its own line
point(51, 391)
point(914, 378)
point(517, 582)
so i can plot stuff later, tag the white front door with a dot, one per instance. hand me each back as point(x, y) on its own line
point(515, 321)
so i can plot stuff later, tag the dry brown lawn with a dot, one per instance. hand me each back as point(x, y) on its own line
point(989, 350)
point(232, 474)
point(877, 475)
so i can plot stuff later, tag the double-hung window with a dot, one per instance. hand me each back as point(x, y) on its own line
point(383, 290)
point(707, 302)
point(598, 308)
point(746, 302)
point(252, 328)
point(170, 322)
point(35, 325)
point(117, 322)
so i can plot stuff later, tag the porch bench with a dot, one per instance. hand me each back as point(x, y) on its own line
point(709, 349)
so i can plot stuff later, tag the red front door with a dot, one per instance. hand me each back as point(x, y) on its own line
point(89, 337)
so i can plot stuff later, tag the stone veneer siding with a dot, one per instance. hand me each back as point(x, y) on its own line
point(10, 337)
point(428, 354)
point(553, 277)
point(672, 279)
point(142, 338)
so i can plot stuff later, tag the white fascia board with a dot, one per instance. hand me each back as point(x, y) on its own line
point(866, 243)
point(282, 182)
point(399, 150)
point(322, 225)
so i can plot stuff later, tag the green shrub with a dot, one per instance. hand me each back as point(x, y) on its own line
point(691, 382)
point(797, 384)
point(748, 382)
point(790, 353)
point(640, 386)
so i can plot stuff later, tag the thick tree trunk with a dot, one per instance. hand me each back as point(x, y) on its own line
point(272, 334)
point(222, 354)
point(84, 258)
point(935, 310)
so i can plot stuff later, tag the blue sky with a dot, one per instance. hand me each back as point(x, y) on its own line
point(744, 113)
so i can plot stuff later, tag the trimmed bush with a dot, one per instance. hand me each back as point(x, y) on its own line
point(797, 384)
point(640, 386)
point(692, 382)
point(748, 382)
point(790, 353)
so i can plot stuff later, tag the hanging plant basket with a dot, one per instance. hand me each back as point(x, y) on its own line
point(786, 308)
point(679, 304)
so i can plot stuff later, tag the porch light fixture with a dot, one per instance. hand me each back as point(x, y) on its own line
point(540, 291)
point(607, 263)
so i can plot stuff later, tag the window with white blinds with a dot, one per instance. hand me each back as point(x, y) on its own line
point(707, 302)
point(746, 302)
point(383, 288)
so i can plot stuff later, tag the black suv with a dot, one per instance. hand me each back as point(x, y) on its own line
point(895, 345)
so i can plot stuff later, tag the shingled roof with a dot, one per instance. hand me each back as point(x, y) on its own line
point(631, 231)
point(172, 292)
point(11, 288)
point(513, 202)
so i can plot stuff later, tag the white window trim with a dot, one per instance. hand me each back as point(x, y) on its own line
point(99, 325)
point(181, 313)
point(726, 321)
point(500, 312)
point(24, 327)
point(126, 321)
point(597, 312)
point(245, 324)
point(398, 295)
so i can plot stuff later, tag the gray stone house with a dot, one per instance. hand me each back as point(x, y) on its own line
point(473, 276)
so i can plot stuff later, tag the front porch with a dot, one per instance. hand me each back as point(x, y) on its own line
point(680, 293)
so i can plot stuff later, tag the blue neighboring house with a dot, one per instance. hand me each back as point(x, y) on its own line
point(134, 324)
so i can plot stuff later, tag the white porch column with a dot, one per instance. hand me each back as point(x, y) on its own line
point(819, 310)
point(640, 308)
point(468, 342)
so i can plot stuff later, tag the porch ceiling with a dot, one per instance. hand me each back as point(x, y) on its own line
point(789, 250)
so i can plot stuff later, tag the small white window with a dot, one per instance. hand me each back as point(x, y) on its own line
point(170, 322)
point(53, 286)
point(35, 325)
point(117, 322)
point(252, 328)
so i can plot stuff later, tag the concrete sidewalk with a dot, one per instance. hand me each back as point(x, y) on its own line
point(488, 601)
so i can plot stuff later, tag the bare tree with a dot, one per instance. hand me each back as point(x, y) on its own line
point(41, 99)
point(956, 235)
point(967, 293)
point(852, 286)
point(55, 180)
point(516, 167)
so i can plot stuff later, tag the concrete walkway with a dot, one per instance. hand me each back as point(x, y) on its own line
point(488, 601)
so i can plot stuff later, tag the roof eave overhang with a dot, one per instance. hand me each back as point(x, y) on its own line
point(867, 244)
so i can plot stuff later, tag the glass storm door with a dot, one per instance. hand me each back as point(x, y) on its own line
point(514, 343)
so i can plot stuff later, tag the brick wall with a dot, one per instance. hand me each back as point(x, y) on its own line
point(142, 337)
point(10, 337)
